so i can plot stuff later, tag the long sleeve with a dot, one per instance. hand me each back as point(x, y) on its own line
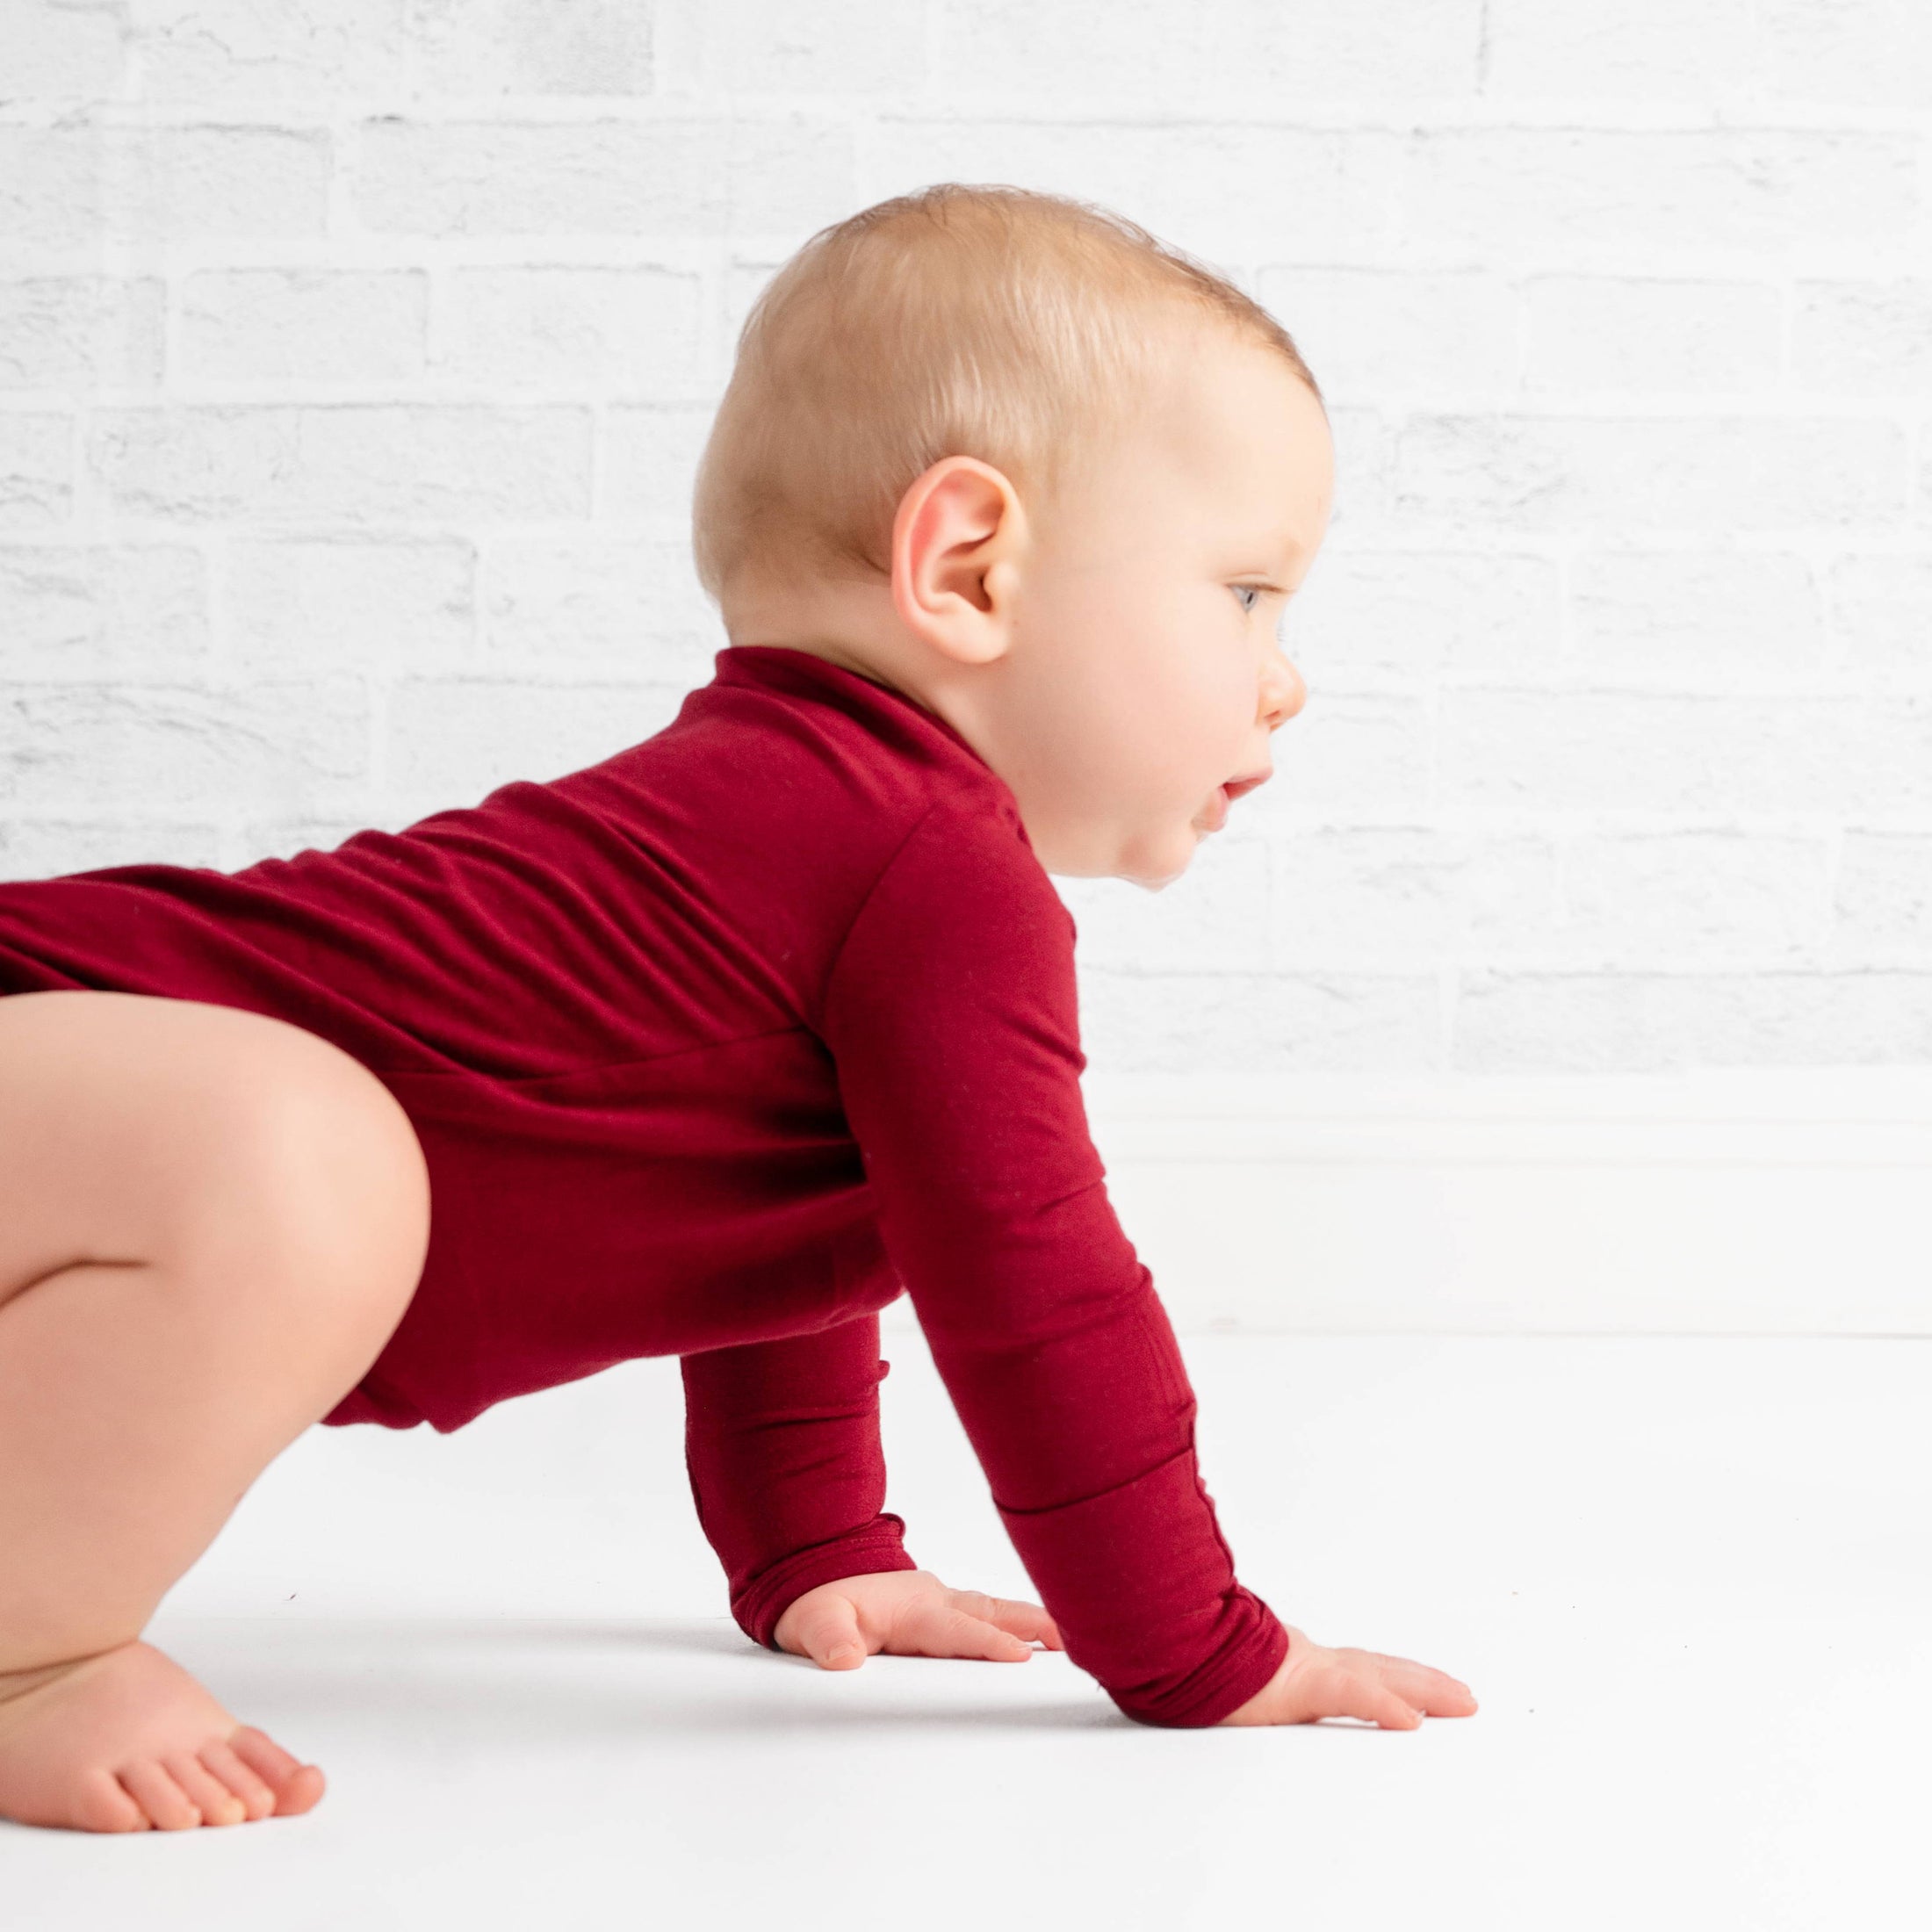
point(950, 1013)
point(781, 1444)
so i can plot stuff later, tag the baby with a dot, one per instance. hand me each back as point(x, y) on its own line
point(711, 1049)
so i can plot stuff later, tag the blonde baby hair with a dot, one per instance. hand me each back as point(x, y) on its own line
point(1020, 327)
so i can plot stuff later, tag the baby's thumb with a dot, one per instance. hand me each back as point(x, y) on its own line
point(829, 1635)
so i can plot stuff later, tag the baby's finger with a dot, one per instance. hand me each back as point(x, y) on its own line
point(828, 1633)
point(1342, 1692)
point(1377, 1703)
point(956, 1632)
point(1027, 1621)
point(1427, 1688)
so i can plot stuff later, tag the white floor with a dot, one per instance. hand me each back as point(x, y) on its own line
point(1689, 1580)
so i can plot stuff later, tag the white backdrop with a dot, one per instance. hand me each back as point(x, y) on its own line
point(354, 355)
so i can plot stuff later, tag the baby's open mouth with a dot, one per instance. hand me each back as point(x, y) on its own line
point(1225, 796)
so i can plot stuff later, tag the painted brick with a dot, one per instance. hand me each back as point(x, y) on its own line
point(61, 49)
point(115, 749)
point(1639, 1022)
point(1862, 338)
point(1364, 458)
point(1693, 51)
point(1686, 894)
point(237, 51)
point(50, 848)
point(1213, 918)
point(121, 610)
point(673, 176)
point(1388, 896)
point(303, 326)
point(1885, 893)
point(534, 47)
point(451, 741)
point(74, 331)
point(1304, 1022)
point(1209, 57)
point(1418, 613)
point(1737, 474)
point(1665, 751)
point(1591, 332)
point(392, 605)
point(1881, 613)
point(650, 461)
point(1369, 333)
point(352, 463)
point(1310, 59)
point(150, 184)
point(1675, 196)
point(1351, 751)
point(1869, 54)
point(576, 605)
point(1694, 612)
point(36, 470)
point(1081, 51)
point(1315, 192)
point(603, 332)
point(241, 54)
point(836, 48)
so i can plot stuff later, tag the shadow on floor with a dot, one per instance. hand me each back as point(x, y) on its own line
point(431, 1669)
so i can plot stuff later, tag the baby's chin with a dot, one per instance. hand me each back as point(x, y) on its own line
point(1156, 869)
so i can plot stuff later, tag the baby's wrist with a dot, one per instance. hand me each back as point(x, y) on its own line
point(873, 1547)
point(854, 1585)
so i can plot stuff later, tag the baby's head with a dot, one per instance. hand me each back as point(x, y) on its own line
point(1014, 457)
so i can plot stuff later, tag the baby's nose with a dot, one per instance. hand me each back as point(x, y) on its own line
point(1285, 693)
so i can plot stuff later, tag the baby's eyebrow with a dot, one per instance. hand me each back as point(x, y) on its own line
point(1287, 549)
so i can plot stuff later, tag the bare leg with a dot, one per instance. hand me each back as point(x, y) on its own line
point(210, 1223)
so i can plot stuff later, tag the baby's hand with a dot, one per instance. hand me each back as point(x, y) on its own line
point(908, 1613)
point(1389, 1691)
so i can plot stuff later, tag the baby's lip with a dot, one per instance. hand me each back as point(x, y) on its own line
point(1236, 788)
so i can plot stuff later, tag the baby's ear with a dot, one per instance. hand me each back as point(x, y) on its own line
point(957, 532)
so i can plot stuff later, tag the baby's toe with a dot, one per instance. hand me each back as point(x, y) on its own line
point(105, 1805)
point(209, 1796)
point(302, 1792)
point(254, 1792)
point(297, 1787)
point(168, 1806)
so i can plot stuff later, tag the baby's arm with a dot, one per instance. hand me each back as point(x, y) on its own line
point(782, 1441)
point(950, 1014)
point(781, 1444)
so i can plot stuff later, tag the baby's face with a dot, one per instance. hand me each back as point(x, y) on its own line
point(1143, 670)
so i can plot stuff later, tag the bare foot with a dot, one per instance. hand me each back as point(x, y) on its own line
point(127, 1740)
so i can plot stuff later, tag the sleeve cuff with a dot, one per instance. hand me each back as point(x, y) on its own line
point(1143, 1588)
point(1225, 1681)
point(877, 1546)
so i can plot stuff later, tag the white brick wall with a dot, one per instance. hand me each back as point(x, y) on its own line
point(354, 355)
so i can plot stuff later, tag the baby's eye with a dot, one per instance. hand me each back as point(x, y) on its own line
point(1253, 591)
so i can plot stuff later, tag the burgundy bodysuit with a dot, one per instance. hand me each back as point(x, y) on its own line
point(715, 1048)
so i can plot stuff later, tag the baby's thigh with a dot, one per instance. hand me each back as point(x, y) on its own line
point(144, 1129)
